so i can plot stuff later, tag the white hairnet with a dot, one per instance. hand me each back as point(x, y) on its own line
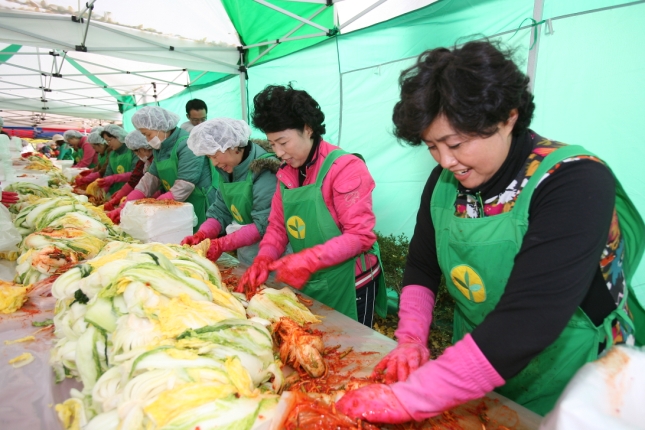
point(218, 134)
point(95, 138)
point(72, 134)
point(116, 131)
point(135, 140)
point(155, 118)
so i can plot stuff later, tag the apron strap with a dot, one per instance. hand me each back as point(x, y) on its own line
point(524, 199)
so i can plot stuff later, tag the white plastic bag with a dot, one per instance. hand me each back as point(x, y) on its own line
point(158, 223)
point(9, 236)
point(608, 393)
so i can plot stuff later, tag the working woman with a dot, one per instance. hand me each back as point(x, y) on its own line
point(99, 145)
point(536, 241)
point(322, 206)
point(121, 160)
point(71, 138)
point(246, 184)
point(175, 171)
point(137, 143)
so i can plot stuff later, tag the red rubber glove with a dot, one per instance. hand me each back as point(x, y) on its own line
point(9, 198)
point(375, 403)
point(166, 196)
point(254, 276)
point(415, 316)
point(194, 239)
point(115, 201)
point(115, 215)
point(107, 181)
point(296, 269)
point(84, 173)
point(215, 250)
point(109, 205)
point(87, 179)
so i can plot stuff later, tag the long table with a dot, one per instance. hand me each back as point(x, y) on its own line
point(27, 394)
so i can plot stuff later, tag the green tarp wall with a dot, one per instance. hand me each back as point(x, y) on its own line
point(588, 85)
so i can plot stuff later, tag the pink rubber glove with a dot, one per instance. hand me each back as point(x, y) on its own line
point(135, 195)
point(296, 269)
point(247, 235)
point(115, 215)
point(108, 181)
point(195, 239)
point(254, 276)
point(461, 374)
point(375, 403)
point(87, 179)
point(415, 316)
point(166, 196)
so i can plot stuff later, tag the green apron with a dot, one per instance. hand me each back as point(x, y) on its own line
point(309, 223)
point(119, 164)
point(167, 171)
point(78, 155)
point(476, 257)
point(238, 197)
point(101, 159)
point(65, 152)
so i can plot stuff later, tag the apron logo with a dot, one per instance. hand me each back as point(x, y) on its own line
point(469, 283)
point(166, 185)
point(296, 227)
point(236, 214)
point(120, 169)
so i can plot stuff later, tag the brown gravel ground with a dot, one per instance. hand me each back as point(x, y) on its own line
point(441, 330)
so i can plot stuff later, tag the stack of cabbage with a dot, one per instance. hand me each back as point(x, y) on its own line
point(59, 231)
point(28, 193)
point(159, 343)
point(44, 164)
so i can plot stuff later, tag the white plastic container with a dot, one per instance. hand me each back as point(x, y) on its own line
point(158, 223)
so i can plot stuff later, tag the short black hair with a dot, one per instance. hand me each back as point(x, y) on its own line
point(195, 104)
point(475, 87)
point(105, 133)
point(278, 108)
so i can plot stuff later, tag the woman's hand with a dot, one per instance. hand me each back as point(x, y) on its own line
point(375, 403)
point(403, 360)
point(107, 182)
point(115, 215)
point(296, 269)
point(215, 251)
point(255, 275)
point(195, 239)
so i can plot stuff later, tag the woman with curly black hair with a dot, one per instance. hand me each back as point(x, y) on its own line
point(322, 207)
point(536, 239)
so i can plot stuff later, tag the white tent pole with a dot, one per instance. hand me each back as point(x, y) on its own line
point(11, 54)
point(360, 14)
point(283, 38)
point(288, 39)
point(42, 82)
point(292, 15)
point(538, 7)
point(89, 6)
point(196, 79)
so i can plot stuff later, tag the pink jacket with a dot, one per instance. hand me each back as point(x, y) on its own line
point(89, 154)
point(347, 191)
